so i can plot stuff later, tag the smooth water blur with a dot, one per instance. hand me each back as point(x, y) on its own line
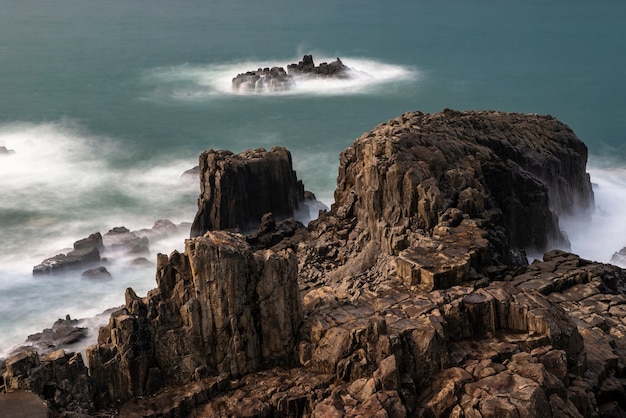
point(107, 103)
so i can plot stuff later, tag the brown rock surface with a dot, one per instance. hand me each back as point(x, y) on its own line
point(236, 190)
point(410, 297)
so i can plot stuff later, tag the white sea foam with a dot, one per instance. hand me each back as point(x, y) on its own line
point(59, 186)
point(605, 234)
point(199, 82)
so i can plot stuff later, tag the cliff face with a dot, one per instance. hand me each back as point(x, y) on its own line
point(218, 309)
point(402, 184)
point(236, 190)
point(410, 297)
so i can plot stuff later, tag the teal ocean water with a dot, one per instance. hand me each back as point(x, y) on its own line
point(106, 103)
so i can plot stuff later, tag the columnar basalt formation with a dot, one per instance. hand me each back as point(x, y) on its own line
point(306, 67)
point(402, 184)
point(218, 309)
point(236, 190)
point(410, 297)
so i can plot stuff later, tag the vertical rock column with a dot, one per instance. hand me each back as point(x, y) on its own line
point(236, 190)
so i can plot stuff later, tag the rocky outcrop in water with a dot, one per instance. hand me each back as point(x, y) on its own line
point(86, 253)
point(307, 67)
point(415, 295)
point(236, 190)
point(118, 242)
point(276, 79)
point(264, 79)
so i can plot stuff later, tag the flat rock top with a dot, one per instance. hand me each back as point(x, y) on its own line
point(22, 405)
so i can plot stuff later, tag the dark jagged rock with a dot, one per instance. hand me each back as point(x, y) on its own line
point(219, 309)
point(73, 260)
point(236, 190)
point(264, 79)
point(510, 175)
point(277, 236)
point(93, 241)
point(307, 67)
point(276, 79)
point(64, 332)
point(121, 240)
point(417, 299)
point(59, 378)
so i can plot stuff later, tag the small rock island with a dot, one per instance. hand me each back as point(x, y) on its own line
point(411, 297)
point(276, 79)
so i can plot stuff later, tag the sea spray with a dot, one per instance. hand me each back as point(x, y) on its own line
point(605, 234)
point(59, 186)
point(202, 82)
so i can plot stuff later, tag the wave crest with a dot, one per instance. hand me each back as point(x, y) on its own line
point(189, 82)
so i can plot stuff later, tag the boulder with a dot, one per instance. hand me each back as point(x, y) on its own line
point(417, 298)
point(121, 241)
point(73, 260)
point(97, 273)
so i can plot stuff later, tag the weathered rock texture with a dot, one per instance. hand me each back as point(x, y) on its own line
point(417, 299)
point(219, 309)
point(236, 190)
point(276, 79)
point(404, 186)
point(307, 67)
point(86, 253)
point(60, 378)
point(264, 79)
point(118, 242)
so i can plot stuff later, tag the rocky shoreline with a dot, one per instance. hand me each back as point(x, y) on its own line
point(412, 296)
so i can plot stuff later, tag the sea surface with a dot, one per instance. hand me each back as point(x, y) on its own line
point(107, 103)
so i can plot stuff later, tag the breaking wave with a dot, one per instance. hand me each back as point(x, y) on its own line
point(197, 82)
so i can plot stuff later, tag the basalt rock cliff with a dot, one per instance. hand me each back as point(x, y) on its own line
point(236, 190)
point(410, 297)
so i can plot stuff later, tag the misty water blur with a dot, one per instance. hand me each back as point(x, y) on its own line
point(194, 82)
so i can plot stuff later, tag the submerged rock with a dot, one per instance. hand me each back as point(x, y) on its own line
point(5, 151)
point(97, 273)
point(73, 260)
point(122, 241)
